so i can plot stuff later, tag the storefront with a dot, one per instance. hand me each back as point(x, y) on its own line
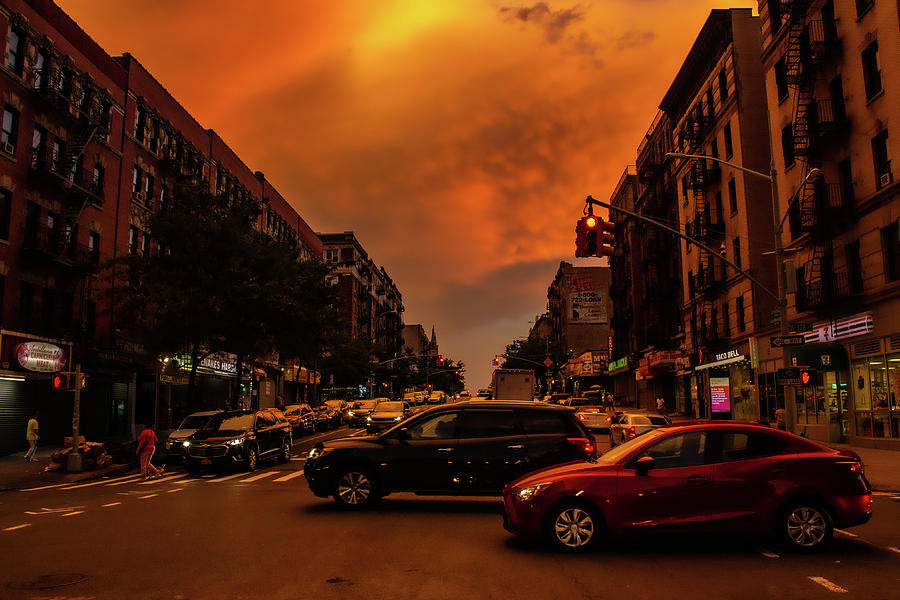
point(820, 402)
point(624, 387)
point(26, 365)
point(874, 381)
point(725, 386)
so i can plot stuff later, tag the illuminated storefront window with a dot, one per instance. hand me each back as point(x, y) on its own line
point(876, 385)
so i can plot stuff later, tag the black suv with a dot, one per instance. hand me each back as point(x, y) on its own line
point(239, 437)
point(467, 448)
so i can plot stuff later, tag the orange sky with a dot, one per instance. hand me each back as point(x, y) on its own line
point(457, 138)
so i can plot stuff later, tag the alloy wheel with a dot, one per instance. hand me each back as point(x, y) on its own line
point(807, 527)
point(354, 488)
point(252, 459)
point(574, 528)
point(286, 451)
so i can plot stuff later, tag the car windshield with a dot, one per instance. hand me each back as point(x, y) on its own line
point(230, 423)
point(291, 410)
point(389, 407)
point(194, 421)
point(621, 450)
point(582, 402)
point(365, 404)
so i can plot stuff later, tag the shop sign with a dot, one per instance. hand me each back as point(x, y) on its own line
point(664, 357)
point(41, 357)
point(860, 324)
point(719, 395)
point(683, 363)
point(621, 363)
point(733, 353)
point(587, 306)
point(788, 376)
point(644, 367)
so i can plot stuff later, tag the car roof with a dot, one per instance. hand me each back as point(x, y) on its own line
point(205, 413)
point(509, 404)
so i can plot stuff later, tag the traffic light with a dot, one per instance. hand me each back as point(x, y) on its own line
point(60, 382)
point(809, 377)
point(594, 237)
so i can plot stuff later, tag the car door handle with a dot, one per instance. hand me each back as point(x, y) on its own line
point(445, 449)
point(696, 479)
point(516, 446)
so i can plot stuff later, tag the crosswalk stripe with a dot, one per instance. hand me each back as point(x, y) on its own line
point(111, 504)
point(14, 527)
point(162, 480)
point(288, 477)
point(828, 585)
point(225, 478)
point(131, 479)
point(258, 477)
point(100, 482)
point(147, 496)
point(77, 512)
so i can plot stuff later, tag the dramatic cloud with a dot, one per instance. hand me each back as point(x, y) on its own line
point(457, 138)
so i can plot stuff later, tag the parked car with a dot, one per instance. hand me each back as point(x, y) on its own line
point(629, 425)
point(465, 395)
point(339, 405)
point(469, 448)
point(386, 414)
point(558, 398)
point(709, 477)
point(360, 410)
point(325, 418)
point(484, 394)
point(238, 437)
point(188, 426)
point(301, 418)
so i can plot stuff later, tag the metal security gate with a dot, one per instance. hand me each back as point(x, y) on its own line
point(14, 415)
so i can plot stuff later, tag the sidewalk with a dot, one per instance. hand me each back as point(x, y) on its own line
point(16, 473)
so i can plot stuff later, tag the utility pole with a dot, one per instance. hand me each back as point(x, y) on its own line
point(73, 463)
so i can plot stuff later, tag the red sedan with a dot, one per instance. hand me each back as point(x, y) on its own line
point(712, 477)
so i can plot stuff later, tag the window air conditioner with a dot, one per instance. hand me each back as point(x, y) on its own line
point(885, 179)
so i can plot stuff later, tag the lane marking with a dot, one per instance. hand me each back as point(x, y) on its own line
point(50, 511)
point(767, 553)
point(44, 487)
point(14, 527)
point(163, 479)
point(884, 493)
point(147, 496)
point(226, 478)
point(174, 490)
point(100, 482)
point(894, 549)
point(131, 479)
point(845, 532)
point(208, 476)
point(831, 587)
point(111, 504)
point(288, 477)
point(258, 477)
point(77, 512)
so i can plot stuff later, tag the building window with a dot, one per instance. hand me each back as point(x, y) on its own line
point(48, 309)
point(56, 158)
point(331, 255)
point(94, 246)
point(691, 284)
point(38, 145)
point(781, 84)
point(26, 304)
point(883, 175)
point(684, 189)
point(720, 213)
point(732, 196)
point(890, 246)
point(736, 249)
point(137, 175)
point(862, 6)
point(132, 239)
point(710, 102)
point(97, 181)
point(15, 58)
point(714, 148)
point(787, 145)
point(774, 16)
point(10, 130)
point(739, 317)
point(148, 187)
point(39, 68)
point(140, 123)
point(723, 85)
point(163, 196)
point(836, 93)
point(726, 321)
point(871, 70)
point(145, 244)
point(5, 212)
point(729, 147)
point(854, 267)
point(845, 179)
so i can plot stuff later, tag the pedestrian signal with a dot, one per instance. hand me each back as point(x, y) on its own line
point(60, 382)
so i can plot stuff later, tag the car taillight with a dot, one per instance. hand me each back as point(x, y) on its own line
point(580, 416)
point(584, 445)
point(857, 467)
point(632, 432)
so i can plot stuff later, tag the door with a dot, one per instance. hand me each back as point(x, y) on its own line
point(491, 451)
point(547, 437)
point(423, 460)
point(265, 429)
point(673, 494)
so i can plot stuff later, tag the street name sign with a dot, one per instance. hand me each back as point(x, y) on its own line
point(787, 340)
point(789, 376)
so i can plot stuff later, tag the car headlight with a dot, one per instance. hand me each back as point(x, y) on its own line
point(527, 493)
point(368, 419)
point(185, 443)
point(351, 414)
point(318, 452)
point(398, 418)
point(236, 442)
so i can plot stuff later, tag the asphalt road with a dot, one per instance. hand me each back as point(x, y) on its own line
point(264, 535)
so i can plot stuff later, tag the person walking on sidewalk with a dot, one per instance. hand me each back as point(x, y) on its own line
point(146, 446)
point(31, 435)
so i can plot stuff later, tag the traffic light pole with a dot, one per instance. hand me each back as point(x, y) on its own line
point(590, 200)
point(73, 463)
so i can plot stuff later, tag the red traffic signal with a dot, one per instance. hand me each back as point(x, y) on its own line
point(594, 237)
point(60, 382)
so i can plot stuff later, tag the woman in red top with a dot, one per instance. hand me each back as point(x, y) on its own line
point(146, 446)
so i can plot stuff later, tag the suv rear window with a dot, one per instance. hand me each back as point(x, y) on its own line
point(538, 422)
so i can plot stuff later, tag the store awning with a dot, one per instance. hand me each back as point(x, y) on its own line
point(722, 363)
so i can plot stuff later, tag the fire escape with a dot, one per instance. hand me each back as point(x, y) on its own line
point(822, 207)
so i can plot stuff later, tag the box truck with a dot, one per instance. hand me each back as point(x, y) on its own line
point(513, 384)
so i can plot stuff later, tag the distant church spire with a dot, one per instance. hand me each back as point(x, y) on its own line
point(433, 337)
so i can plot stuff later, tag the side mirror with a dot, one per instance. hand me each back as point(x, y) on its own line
point(644, 464)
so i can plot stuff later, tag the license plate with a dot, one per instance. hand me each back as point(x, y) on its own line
point(205, 461)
